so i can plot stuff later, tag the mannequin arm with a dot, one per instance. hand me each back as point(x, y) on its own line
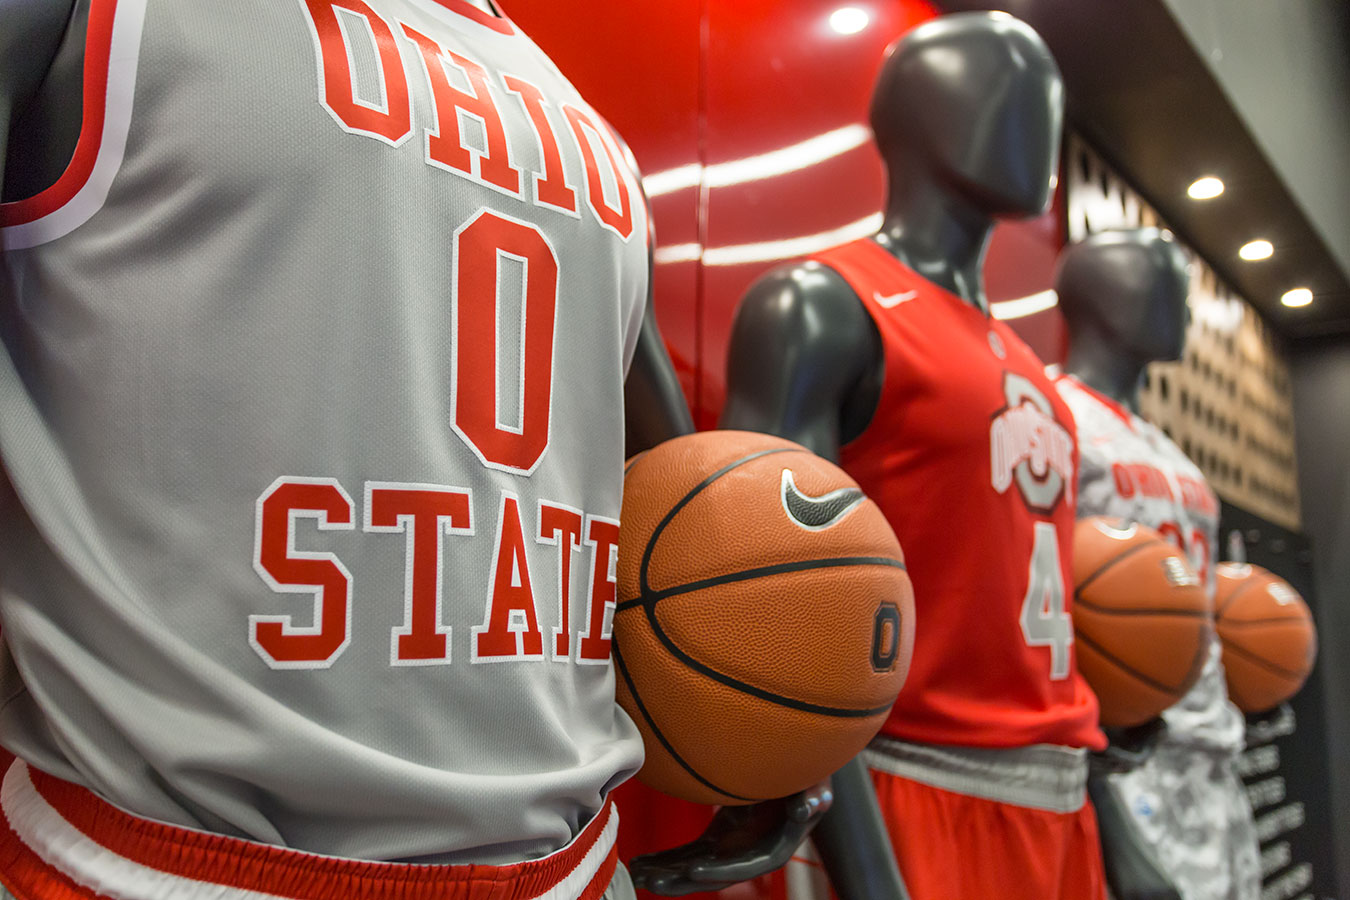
point(654, 406)
point(30, 32)
point(853, 843)
point(742, 842)
point(1132, 871)
point(803, 361)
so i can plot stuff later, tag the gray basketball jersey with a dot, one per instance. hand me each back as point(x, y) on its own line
point(1131, 470)
point(1186, 800)
point(311, 412)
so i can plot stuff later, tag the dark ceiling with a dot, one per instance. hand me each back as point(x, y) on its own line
point(1146, 102)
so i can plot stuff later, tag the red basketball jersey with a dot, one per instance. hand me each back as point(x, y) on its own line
point(970, 454)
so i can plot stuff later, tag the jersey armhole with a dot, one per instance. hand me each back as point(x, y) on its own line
point(843, 265)
point(112, 47)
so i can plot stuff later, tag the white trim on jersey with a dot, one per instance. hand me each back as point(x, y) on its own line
point(123, 58)
point(575, 883)
point(86, 862)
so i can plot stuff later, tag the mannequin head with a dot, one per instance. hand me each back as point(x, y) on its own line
point(973, 101)
point(1125, 293)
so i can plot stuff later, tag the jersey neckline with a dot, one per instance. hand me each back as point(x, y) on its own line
point(987, 317)
point(1115, 406)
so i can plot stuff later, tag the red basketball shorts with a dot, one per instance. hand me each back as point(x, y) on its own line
point(974, 824)
point(59, 841)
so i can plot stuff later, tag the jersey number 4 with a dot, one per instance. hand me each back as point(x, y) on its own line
point(1045, 621)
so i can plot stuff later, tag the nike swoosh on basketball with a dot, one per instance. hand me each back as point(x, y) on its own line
point(817, 513)
point(890, 301)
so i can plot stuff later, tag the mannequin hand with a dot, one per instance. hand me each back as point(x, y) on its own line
point(741, 843)
point(1129, 748)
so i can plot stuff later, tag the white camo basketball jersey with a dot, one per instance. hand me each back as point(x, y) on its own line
point(311, 410)
point(1129, 469)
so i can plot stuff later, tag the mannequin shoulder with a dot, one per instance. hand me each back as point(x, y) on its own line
point(30, 32)
point(803, 360)
point(807, 306)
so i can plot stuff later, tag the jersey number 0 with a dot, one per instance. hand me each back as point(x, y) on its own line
point(479, 246)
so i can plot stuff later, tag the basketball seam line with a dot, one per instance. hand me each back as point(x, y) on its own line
point(803, 565)
point(1265, 664)
point(1108, 611)
point(1299, 619)
point(1129, 551)
point(1132, 671)
point(1201, 657)
point(1242, 589)
point(660, 736)
point(752, 690)
point(686, 500)
point(634, 461)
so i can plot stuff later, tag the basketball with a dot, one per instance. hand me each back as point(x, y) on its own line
point(764, 619)
point(1141, 619)
point(1269, 640)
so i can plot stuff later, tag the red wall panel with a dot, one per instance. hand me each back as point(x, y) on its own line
point(638, 64)
point(787, 95)
point(1021, 262)
point(749, 122)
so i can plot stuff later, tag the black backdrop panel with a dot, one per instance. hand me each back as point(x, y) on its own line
point(1285, 763)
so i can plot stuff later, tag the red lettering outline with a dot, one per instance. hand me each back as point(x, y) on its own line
point(503, 636)
point(602, 534)
point(432, 510)
point(391, 123)
point(555, 521)
point(276, 638)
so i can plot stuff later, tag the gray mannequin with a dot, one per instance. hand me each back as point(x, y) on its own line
point(1123, 296)
point(41, 79)
point(967, 115)
point(805, 358)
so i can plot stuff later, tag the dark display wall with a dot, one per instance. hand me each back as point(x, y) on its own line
point(1321, 401)
point(1285, 766)
point(1228, 403)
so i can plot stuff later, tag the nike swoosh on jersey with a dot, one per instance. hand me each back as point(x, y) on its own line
point(890, 301)
point(817, 513)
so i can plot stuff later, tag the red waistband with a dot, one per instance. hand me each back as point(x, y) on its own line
point(61, 842)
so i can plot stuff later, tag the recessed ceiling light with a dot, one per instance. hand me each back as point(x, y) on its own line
point(849, 19)
point(1297, 297)
point(1205, 188)
point(1258, 249)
